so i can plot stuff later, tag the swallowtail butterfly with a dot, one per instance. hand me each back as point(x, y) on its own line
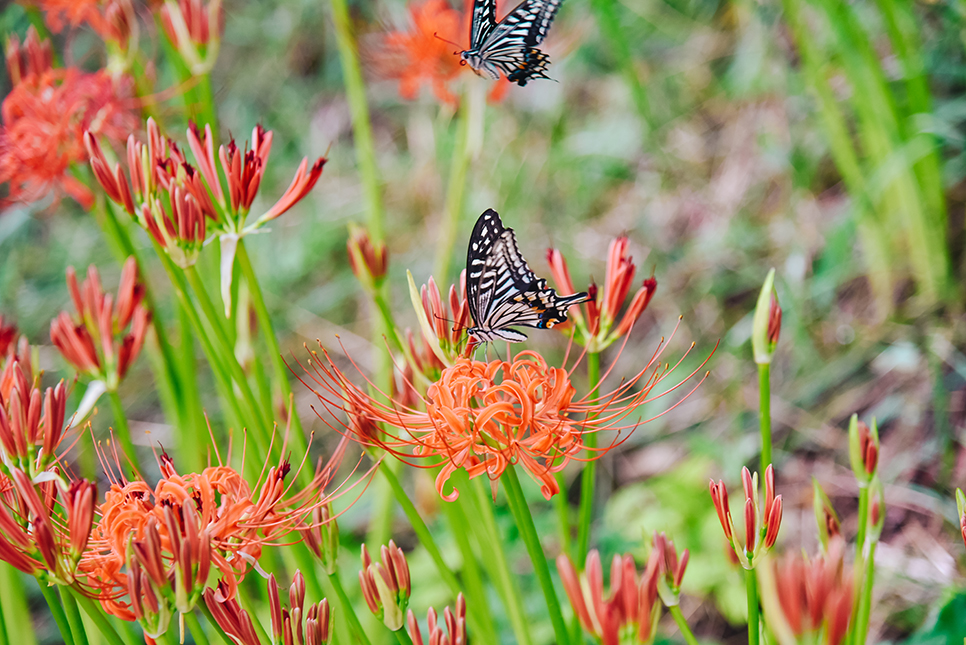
point(510, 46)
point(502, 291)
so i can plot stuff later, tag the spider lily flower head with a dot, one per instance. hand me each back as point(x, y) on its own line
point(761, 524)
point(423, 53)
point(827, 520)
point(31, 423)
point(298, 624)
point(443, 324)
point(455, 623)
point(767, 322)
point(44, 118)
point(321, 534)
point(863, 450)
point(671, 568)
point(368, 259)
point(386, 586)
point(44, 536)
point(629, 613)
point(94, 341)
point(208, 520)
point(961, 511)
point(815, 597)
point(194, 28)
point(595, 323)
point(486, 416)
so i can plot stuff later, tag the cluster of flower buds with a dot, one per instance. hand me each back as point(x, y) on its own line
point(961, 511)
point(31, 423)
point(455, 633)
point(761, 525)
point(443, 325)
point(310, 625)
point(595, 321)
point(194, 28)
point(672, 569)
point(94, 341)
point(321, 535)
point(177, 202)
point(630, 612)
point(767, 322)
point(863, 450)
point(827, 520)
point(814, 597)
point(367, 258)
point(386, 586)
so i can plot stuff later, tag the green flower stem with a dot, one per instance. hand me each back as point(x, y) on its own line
point(98, 617)
point(489, 533)
point(208, 111)
point(72, 613)
point(682, 624)
point(863, 518)
point(585, 515)
point(751, 586)
point(297, 439)
point(194, 626)
point(528, 532)
point(195, 438)
point(468, 135)
point(121, 428)
point(764, 413)
point(562, 506)
point(354, 625)
point(3, 628)
point(13, 606)
point(57, 611)
point(861, 632)
point(226, 355)
point(403, 637)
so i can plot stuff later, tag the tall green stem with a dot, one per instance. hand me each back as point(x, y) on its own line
point(73, 616)
point(13, 607)
point(528, 532)
point(57, 611)
point(404, 638)
point(764, 413)
point(682, 624)
point(354, 625)
point(751, 586)
point(297, 437)
point(585, 516)
point(863, 517)
point(197, 631)
point(468, 136)
point(489, 533)
point(861, 632)
point(98, 617)
point(121, 428)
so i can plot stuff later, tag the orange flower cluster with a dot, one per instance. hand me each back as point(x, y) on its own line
point(111, 19)
point(424, 54)
point(485, 416)
point(45, 116)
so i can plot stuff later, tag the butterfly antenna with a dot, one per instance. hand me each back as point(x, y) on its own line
point(448, 41)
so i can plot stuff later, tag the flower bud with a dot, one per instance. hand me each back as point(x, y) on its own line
point(863, 449)
point(826, 519)
point(322, 537)
point(766, 324)
point(367, 258)
point(386, 586)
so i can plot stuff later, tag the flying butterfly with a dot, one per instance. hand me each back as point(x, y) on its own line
point(510, 46)
point(502, 291)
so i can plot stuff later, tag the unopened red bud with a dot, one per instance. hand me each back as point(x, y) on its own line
point(750, 526)
point(774, 521)
point(774, 320)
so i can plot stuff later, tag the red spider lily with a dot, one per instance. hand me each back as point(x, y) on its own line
point(630, 608)
point(424, 54)
point(443, 325)
point(94, 341)
point(761, 529)
point(38, 534)
point(44, 119)
point(213, 518)
point(484, 417)
point(113, 20)
point(596, 323)
point(814, 596)
point(31, 425)
point(194, 28)
point(386, 586)
point(8, 334)
point(455, 623)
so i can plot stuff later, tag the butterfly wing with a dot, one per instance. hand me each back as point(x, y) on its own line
point(484, 22)
point(479, 286)
point(511, 46)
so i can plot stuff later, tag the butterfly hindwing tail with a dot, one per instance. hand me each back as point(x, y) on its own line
point(534, 65)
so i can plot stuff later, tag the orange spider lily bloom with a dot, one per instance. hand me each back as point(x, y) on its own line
point(232, 522)
point(44, 118)
point(90, 341)
point(485, 416)
point(424, 54)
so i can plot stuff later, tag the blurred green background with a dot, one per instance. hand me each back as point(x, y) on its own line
point(822, 138)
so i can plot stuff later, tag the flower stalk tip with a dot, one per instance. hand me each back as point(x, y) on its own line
point(761, 524)
point(863, 449)
point(386, 585)
point(766, 324)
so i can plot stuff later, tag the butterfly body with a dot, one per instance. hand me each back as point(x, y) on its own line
point(510, 46)
point(502, 291)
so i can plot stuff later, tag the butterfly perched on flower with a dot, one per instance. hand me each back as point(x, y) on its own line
point(502, 291)
point(510, 46)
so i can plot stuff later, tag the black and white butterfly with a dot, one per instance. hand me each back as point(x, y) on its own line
point(510, 46)
point(502, 291)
